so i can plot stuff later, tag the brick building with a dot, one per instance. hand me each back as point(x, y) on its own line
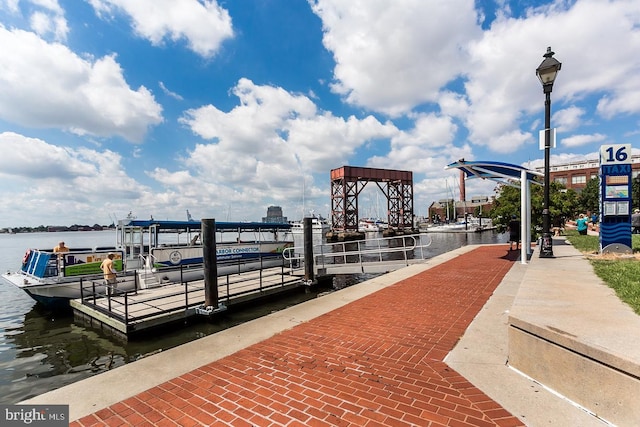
point(575, 175)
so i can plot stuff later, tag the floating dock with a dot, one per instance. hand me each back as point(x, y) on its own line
point(131, 313)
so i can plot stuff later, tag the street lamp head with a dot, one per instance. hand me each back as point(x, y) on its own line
point(548, 70)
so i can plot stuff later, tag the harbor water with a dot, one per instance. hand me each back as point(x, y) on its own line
point(41, 350)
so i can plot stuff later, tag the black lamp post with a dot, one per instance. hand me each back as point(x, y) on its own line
point(547, 72)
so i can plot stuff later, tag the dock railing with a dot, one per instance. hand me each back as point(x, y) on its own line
point(363, 256)
point(134, 306)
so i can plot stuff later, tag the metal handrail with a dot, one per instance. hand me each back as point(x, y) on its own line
point(326, 254)
point(120, 309)
point(146, 261)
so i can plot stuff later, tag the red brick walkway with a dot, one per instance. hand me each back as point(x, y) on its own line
point(377, 361)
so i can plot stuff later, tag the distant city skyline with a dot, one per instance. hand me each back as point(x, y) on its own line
point(226, 108)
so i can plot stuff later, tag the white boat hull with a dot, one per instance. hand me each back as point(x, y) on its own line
point(318, 226)
point(52, 292)
point(458, 228)
point(368, 226)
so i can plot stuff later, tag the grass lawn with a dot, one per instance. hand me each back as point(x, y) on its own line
point(621, 274)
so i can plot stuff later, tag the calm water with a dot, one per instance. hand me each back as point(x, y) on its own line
point(41, 351)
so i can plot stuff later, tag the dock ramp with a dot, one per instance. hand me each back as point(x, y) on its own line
point(371, 255)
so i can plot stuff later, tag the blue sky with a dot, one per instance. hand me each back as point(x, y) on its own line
point(227, 107)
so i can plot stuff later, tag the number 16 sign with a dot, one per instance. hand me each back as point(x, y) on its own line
point(615, 154)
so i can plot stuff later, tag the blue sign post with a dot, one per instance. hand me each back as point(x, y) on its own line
point(615, 198)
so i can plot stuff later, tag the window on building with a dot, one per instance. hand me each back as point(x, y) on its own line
point(561, 179)
point(579, 179)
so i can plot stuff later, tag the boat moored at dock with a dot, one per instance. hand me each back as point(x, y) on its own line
point(470, 225)
point(368, 225)
point(319, 225)
point(154, 252)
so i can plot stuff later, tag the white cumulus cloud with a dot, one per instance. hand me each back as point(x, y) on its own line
point(46, 85)
point(203, 24)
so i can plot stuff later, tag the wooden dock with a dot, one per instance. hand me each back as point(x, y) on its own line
point(134, 312)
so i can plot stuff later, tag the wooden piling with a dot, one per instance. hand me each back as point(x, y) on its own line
point(208, 230)
point(309, 275)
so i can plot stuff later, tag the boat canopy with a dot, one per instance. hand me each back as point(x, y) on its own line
point(196, 225)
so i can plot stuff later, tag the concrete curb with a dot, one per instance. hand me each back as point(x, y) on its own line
point(482, 356)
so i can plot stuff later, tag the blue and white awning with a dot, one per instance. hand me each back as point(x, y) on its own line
point(504, 173)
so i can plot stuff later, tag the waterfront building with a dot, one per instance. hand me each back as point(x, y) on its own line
point(274, 215)
point(452, 210)
point(575, 175)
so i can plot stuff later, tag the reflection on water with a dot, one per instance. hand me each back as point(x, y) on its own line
point(50, 351)
point(41, 351)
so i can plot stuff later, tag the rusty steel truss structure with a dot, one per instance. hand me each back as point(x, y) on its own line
point(348, 181)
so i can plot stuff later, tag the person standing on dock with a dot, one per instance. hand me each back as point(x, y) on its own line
point(109, 273)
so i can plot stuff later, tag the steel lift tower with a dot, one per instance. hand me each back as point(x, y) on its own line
point(348, 181)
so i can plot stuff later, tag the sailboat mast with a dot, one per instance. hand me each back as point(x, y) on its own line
point(303, 191)
point(446, 184)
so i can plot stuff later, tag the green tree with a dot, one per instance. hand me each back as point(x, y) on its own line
point(506, 203)
point(563, 204)
point(589, 197)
